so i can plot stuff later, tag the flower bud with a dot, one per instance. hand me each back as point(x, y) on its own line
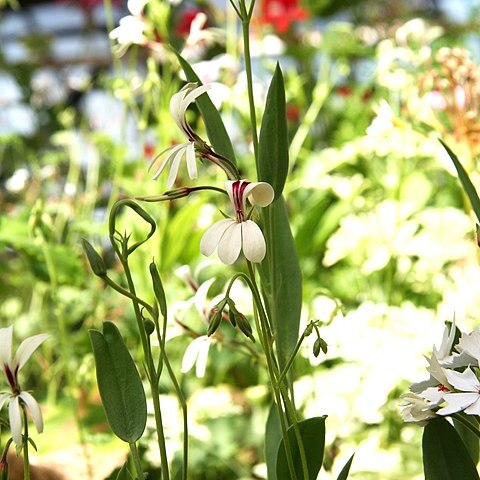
point(215, 319)
point(244, 325)
point(319, 345)
point(149, 326)
point(96, 261)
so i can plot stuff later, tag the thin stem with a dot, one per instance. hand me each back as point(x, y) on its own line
point(26, 460)
point(291, 359)
point(136, 460)
point(127, 293)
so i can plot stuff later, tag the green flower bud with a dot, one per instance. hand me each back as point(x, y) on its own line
point(96, 261)
point(319, 345)
point(149, 326)
point(215, 319)
point(244, 325)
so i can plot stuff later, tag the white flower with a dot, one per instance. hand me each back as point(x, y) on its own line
point(468, 399)
point(416, 410)
point(178, 107)
point(132, 27)
point(17, 395)
point(231, 236)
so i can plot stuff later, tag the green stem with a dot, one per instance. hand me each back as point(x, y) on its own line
point(127, 293)
point(26, 460)
point(291, 359)
point(136, 460)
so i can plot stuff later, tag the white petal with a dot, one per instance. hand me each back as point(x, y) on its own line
point(457, 402)
point(34, 409)
point(6, 345)
point(15, 418)
point(470, 343)
point(466, 381)
point(174, 167)
point(26, 348)
point(260, 193)
point(212, 236)
point(191, 162)
point(202, 358)
point(253, 243)
point(193, 353)
point(474, 408)
point(163, 163)
point(433, 395)
point(230, 244)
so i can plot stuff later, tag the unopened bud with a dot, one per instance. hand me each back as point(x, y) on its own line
point(149, 326)
point(244, 325)
point(96, 261)
point(215, 319)
point(309, 329)
point(319, 345)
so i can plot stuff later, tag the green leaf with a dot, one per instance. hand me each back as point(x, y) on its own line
point(470, 440)
point(281, 279)
point(444, 454)
point(312, 432)
point(273, 142)
point(216, 131)
point(465, 180)
point(119, 383)
point(124, 474)
point(343, 475)
point(273, 436)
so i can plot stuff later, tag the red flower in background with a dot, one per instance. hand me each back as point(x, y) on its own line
point(281, 13)
point(184, 23)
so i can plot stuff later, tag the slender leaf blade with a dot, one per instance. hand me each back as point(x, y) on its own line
point(445, 456)
point(273, 436)
point(465, 180)
point(281, 279)
point(216, 131)
point(312, 432)
point(119, 383)
point(343, 475)
point(273, 141)
point(470, 440)
point(124, 474)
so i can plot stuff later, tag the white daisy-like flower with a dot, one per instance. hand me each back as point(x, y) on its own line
point(231, 236)
point(178, 107)
point(18, 397)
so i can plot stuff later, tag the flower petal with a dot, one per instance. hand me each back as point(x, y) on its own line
point(230, 244)
point(253, 243)
point(212, 236)
point(260, 193)
point(3, 399)
point(26, 348)
point(163, 163)
point(15, 418)
point(191, 161)
point(34, 409)
point(6, 345)
point(466, 381)
point(456, 402)
point(474, 408)
point(175, 166)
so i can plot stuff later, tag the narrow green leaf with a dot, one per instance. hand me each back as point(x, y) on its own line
point(119, 383)
point(273, 142)
point(444, 454)
point(216, 131)
point(312, 432)
point(281, 279)
point(465, 180)
point(343, 475)
point(273, 436)
point(470, 440)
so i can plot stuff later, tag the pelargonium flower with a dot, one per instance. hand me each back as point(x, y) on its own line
point(17, 396)
point(230, 236)
point(178, 107)
point(468, 398)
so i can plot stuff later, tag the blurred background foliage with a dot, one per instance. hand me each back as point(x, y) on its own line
point(384, 235)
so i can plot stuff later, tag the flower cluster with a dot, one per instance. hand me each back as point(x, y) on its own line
point(453, 385)
point(228, 236)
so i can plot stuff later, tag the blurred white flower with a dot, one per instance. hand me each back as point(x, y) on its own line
point(196, 355)
point(18, 398)
point(18, 180)
point(132, 27)
point(416, 409)
point(232, 236)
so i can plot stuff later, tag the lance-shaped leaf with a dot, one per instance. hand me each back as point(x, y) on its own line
point(273, 436)
point(444, 454)
point(119, 383)
point(470, 440)
point(124, 474)
point(343, 475)
point(273, 142)
point(281, 279)
point(312, 432)
point(216, 131)
point(465, 180)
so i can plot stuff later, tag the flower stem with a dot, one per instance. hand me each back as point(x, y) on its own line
point(26, 460)
point(136, 460)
